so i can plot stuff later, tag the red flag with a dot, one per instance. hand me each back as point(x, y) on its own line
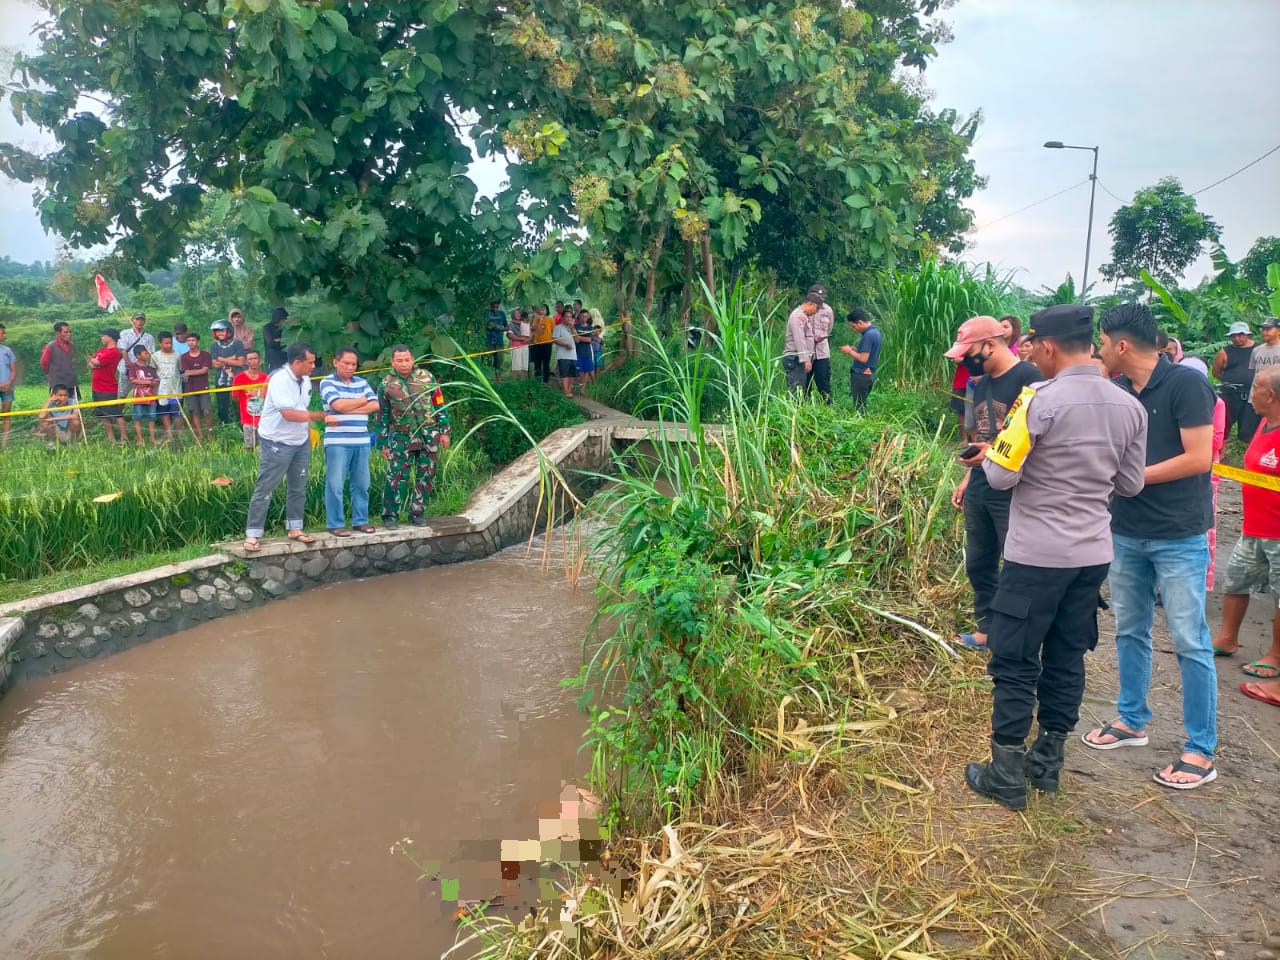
point(106, 299)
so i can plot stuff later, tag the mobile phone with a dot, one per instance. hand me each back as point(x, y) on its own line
point(970, 451)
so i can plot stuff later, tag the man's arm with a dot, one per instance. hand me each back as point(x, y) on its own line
point(1131, 477)
point(354, 405)
point(1196, 457)
point(45, 357)
point(1219, 363)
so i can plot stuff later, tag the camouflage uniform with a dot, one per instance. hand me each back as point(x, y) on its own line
point(411, 418)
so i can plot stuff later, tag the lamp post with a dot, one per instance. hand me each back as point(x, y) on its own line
point(1093, 189)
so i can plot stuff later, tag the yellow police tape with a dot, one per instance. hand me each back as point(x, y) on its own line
point(1248, 477)
point(90, 404)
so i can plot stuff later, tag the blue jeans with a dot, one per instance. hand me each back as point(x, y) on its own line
point(1177, 568)
point(341, 463)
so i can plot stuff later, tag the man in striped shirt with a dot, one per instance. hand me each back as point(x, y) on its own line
point(350, 400)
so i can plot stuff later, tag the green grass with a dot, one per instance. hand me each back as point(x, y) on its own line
point(164, 501)
point(13, 590)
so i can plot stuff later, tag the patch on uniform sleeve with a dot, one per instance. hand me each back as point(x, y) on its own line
point(1013, 443)
point(437, 399)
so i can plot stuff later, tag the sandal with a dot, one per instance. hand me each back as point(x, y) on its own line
point(365, 529)
point(337, 532)
point(299, 537)
point(1221, 652)
point(1263, 671)
point(252, 544)
point(1123, 738)
point(1250, 690)
point(1206, 775)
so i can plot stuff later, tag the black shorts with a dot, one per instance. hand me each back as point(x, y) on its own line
point(110, 411)
point(566, 369)
point(957, 401)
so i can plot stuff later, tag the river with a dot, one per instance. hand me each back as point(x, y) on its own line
point(233, 791)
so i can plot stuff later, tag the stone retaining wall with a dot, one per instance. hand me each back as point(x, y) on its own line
point(58, 631)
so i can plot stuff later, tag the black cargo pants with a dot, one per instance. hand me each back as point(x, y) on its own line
point(1043, 619)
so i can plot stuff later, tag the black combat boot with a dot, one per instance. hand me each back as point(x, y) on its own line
point(1004, 779)
point(1044, 760)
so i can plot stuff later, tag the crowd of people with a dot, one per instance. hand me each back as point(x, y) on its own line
point(573, 335)
point(1090, 464)
point(164, 381)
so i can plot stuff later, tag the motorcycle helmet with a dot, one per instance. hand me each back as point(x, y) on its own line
point(220, 326)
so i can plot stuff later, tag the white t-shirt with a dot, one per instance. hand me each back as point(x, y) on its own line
point(285, 392)
point(566, 347)
point(166, 365)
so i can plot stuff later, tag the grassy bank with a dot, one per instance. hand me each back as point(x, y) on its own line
point(776, 720)
point(72, 513)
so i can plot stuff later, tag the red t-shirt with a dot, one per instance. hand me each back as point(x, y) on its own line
point(250, 400)
point(103, 378)
point(1262, 507)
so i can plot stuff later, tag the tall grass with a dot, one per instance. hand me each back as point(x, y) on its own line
point(920, 310)
point(719, 591)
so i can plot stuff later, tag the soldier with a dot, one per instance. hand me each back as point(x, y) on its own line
point(1068, 447)
point(412, 427)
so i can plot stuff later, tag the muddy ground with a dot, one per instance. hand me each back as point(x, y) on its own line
point(1195, 874)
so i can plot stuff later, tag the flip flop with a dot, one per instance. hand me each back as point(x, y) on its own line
point(1207, 775)
point(253, 545)
point(1263, 671)
point(1123, 738)
point(1260, 697)
point(1219, 652)
point(970, 641)
point(302, 538)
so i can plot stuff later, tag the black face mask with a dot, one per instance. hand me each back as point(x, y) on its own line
point(975, 364)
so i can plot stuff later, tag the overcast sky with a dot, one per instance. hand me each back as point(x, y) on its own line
point(1184, 88)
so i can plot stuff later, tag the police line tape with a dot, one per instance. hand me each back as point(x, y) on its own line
point(242, 388)
point(1249, 478)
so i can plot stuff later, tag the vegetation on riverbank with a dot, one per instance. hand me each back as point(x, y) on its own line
point(776, 720)
point(85, 509)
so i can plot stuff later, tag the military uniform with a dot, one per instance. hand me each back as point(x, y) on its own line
point(411, 420)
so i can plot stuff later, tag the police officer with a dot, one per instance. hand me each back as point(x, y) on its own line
point(1069, 444)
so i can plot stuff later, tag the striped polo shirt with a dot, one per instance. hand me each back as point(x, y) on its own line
point(352, 429)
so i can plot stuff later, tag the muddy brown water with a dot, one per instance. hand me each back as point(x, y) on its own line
point(233, 791)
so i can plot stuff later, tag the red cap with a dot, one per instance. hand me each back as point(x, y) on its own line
point(974, 330)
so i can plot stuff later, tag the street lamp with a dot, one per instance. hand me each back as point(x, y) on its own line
point(1093, 189)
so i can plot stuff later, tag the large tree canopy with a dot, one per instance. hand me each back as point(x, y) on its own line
point(1161, 231)
point(329, 138)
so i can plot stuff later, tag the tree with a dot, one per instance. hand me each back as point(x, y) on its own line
point(331, 140)
point(1264, 252)
point(1161, 231)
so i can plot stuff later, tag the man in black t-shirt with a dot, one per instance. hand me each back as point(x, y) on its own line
point(998, 377)
point(1161, 543)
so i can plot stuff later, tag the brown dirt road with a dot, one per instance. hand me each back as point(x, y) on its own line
point(1186, 876)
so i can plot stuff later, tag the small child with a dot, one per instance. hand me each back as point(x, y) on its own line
point(57, 422)
point(146, 383)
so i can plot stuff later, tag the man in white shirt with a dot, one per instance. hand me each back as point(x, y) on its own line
point(284, 451)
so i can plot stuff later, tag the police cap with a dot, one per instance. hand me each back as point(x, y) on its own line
point(1062, 320)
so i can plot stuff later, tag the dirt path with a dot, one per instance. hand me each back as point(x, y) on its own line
point(1196, 874)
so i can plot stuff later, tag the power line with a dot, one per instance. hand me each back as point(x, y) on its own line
point(1037, 203)
point(1241, 170)
point(1107, 191)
